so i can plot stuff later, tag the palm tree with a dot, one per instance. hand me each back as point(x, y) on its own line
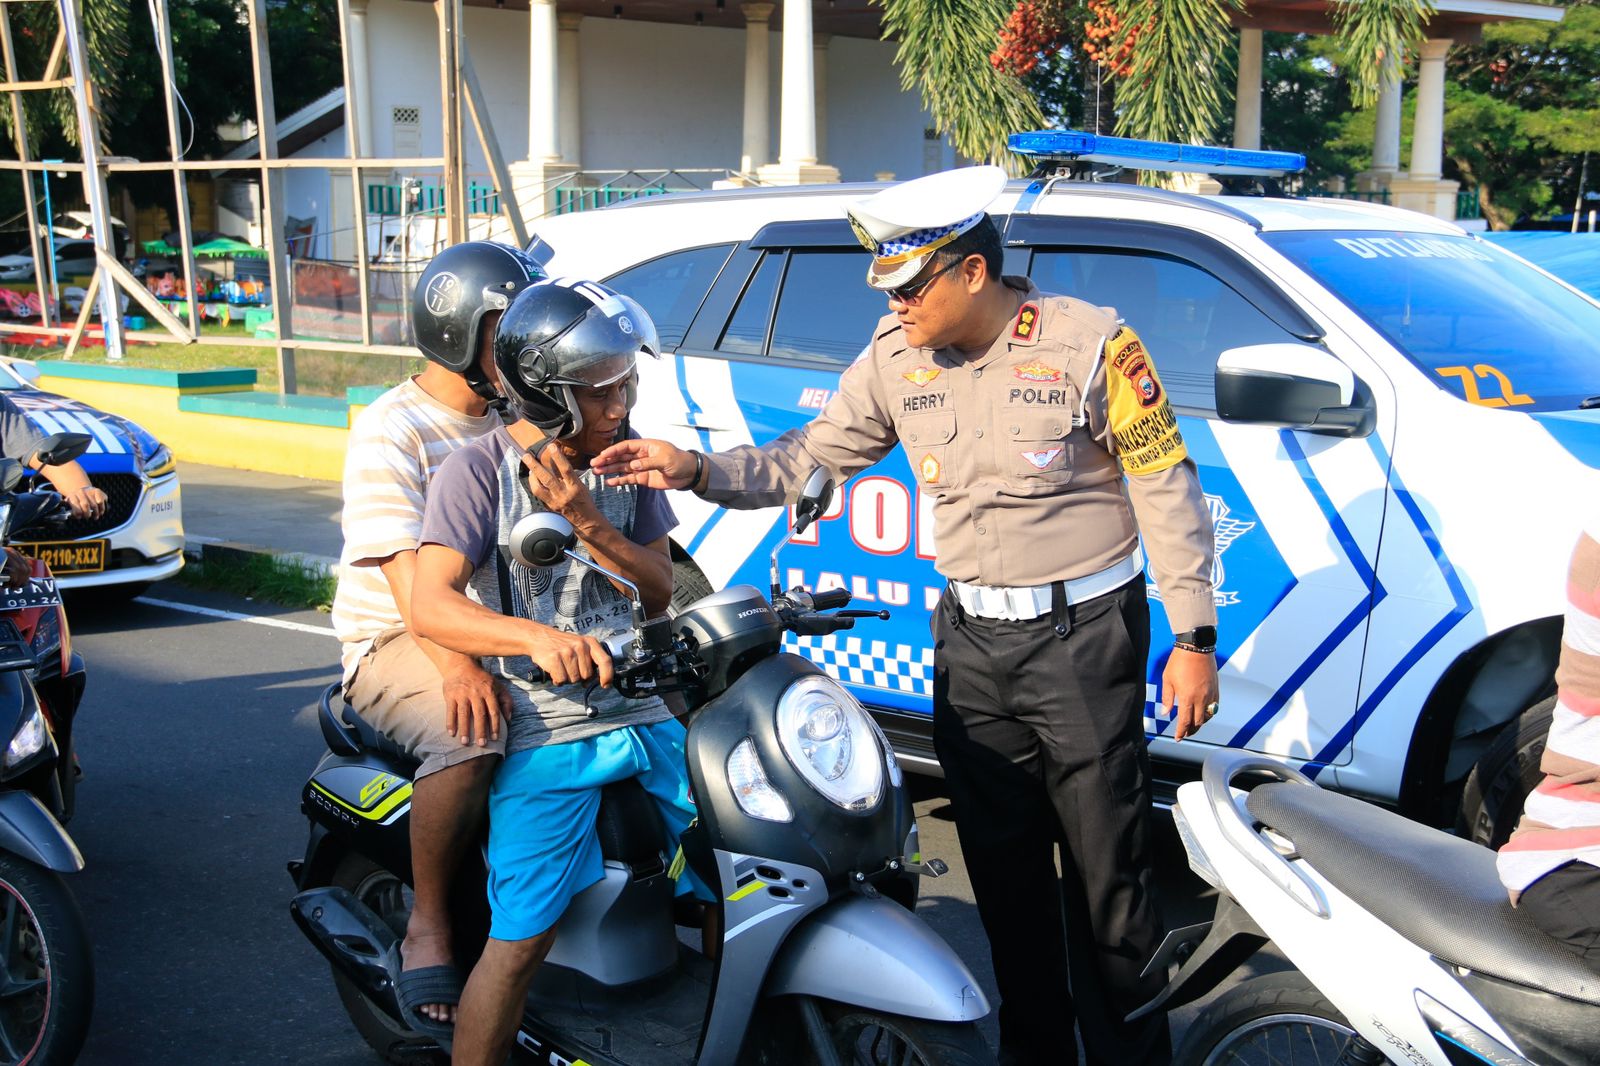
point(1173, 89)
point(33, 32)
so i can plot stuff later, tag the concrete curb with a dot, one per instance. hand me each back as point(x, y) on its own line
point(200, 549)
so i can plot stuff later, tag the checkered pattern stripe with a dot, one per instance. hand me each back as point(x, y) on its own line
point(897, 668)
point(917, 240)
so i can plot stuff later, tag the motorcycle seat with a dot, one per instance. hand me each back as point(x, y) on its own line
point(347, 733)
point(1438, 891)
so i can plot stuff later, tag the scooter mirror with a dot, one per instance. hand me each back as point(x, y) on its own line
point(60, 448)
point(541, 540)
point(10, 475)
point(814, 499)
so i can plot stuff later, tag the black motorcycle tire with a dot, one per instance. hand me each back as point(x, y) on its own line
point(1241, 1015)
point(688, 585)
point(871, 1038)
point(366, 880)
point(1506, 772)
point(46, 934)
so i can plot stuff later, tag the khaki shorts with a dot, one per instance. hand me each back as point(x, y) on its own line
point(397, 689)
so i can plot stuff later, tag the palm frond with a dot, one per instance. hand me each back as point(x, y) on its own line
point(1374, 35)
point(943, 54)
point(1179, 65)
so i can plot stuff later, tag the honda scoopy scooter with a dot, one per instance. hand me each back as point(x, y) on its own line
point(805, 833)
point(1406, 946)
point(46, 965)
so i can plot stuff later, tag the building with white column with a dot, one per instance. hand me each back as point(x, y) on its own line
point(1423, 186)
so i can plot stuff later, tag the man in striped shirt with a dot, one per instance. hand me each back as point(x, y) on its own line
point(1551, 864)
point(437, 704)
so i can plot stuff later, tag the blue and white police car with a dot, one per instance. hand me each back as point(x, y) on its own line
point(1397, 427)
point(140, 537)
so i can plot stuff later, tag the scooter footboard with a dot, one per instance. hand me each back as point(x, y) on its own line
point(876, 954)
point(353, 939)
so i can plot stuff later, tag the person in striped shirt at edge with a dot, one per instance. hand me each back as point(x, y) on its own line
point(440, 706)
point(1551, 864)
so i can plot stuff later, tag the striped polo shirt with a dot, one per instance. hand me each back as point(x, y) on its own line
point(396, 447)
point(1561, 821)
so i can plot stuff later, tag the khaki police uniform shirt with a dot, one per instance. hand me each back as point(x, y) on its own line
point(1023, 448)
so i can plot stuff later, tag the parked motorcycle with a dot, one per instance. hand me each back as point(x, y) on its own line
point(1406, 947)
point(46, 967)
point(804, 831)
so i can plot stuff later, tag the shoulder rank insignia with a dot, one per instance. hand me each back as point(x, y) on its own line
point(921, 376)
point(1027, 321)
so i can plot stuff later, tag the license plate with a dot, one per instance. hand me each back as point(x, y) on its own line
point(68, 556)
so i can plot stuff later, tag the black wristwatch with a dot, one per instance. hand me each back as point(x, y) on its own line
point(1202, 639)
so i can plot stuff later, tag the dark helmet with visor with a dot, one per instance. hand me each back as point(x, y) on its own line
point(448, 305)
point(563, 334)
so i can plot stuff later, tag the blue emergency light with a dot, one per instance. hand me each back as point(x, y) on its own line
point(1075, 145)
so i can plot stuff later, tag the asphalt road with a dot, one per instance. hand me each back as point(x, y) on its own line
point(196, 734)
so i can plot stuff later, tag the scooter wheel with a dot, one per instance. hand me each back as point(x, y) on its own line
point(866, 1036)
point(45, 957)
point(1280, 1017)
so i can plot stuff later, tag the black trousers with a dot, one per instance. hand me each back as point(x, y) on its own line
point(1565, 903)
point(1041, 737)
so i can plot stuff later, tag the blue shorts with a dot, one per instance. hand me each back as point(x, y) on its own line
point(543, 848)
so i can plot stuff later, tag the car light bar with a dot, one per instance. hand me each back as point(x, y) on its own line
point(1045, 145)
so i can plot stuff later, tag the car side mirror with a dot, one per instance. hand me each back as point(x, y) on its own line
point(1295, 386)
point(541, 540)
point(60, 448)
point(11, 473)
point(814, 499)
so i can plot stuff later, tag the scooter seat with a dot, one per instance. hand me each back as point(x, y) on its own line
point(347, 732)
point(1438, 891)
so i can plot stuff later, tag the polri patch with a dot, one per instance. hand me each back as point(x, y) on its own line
point(1041, 458)
point(922, 376)
point(1027, 321)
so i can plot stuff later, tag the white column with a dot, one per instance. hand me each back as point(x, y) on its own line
point(819, 75)
point(757, 86)
point(1386, 135)
point(1247, 97)
point(359, 70)
point(571, 115)
point(1427, 130)
point(797, 117)
point(544, 120)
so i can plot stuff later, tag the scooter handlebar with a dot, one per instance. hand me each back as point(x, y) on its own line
point(831, 599)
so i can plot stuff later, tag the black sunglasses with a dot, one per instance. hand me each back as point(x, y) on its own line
point(906, 293)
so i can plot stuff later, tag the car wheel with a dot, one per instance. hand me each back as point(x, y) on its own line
point(1492, 802)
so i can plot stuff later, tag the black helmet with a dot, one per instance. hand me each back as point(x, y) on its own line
point(562, 333)
point(448, 305)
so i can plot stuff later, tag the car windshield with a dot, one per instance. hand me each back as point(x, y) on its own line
point(1484, 325)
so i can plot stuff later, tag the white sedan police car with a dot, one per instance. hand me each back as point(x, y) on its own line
point(140, 537)
point(1396, 427)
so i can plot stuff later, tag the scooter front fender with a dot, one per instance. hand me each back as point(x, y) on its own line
point(29, 830)
point(875, 954)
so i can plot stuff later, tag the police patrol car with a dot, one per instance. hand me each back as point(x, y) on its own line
point(140, 537)
point(1395, 425)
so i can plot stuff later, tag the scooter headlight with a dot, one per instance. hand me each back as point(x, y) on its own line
point(30, 739)
point(755, 795)
point(832, 742)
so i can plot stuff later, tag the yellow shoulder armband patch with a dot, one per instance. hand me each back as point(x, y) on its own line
point(1142, 423)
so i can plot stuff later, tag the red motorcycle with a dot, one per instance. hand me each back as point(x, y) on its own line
point(46, 967)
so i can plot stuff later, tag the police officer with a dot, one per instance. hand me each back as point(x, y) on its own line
point(1040, 428)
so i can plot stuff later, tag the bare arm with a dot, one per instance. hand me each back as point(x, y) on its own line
point(71, 480)
point(442, 613)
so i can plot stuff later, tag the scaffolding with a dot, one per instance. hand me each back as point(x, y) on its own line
point(461, 96)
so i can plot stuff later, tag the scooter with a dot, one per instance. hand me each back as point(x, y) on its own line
point(1406, 947)
point(46, 966)
point(805, 832)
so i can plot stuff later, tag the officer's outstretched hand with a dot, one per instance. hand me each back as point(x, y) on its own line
point(1189, 685)
point(655, 464)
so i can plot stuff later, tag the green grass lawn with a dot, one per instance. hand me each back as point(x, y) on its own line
point(317, 373)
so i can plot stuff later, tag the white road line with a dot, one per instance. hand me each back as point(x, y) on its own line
point(235, 616)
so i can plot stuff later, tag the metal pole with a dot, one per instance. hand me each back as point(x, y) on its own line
point(479, 105)
point(50, 243)
point(180, 184)
point(94, 179)
point(355, 146)
point(19, 136)
point(271, 192)
point(1583, 179)
point(455, 186)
